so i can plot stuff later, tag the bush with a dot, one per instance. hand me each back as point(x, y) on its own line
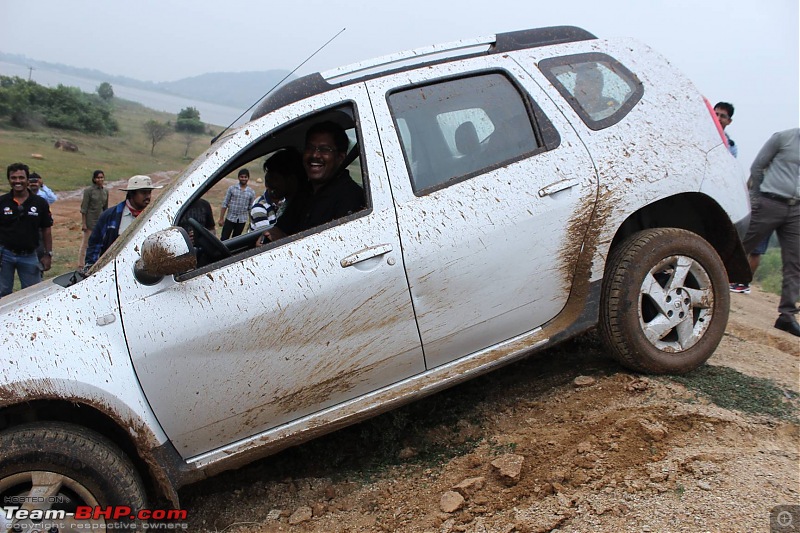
point(27, 104)
point(769, 273)
point(190, 125)
point(189, 121)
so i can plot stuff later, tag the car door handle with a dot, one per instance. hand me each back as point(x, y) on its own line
point(558, 186)
point(366, 253)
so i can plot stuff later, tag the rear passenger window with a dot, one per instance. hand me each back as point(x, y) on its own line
point(460, 127)
point(597, 86)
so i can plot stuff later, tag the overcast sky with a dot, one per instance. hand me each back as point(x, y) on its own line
point(741, 51)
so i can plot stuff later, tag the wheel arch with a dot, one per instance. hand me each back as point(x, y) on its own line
point(700, 214)
point(147, 459)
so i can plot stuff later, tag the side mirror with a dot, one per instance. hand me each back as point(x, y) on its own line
point(165, 253)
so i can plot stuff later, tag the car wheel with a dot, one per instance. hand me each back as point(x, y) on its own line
point(665, 301)
point(53, 467)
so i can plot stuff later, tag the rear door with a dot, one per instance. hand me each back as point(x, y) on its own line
point(493, 191)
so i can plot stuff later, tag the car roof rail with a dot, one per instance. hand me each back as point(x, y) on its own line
point(409, 57)
point(493, 44)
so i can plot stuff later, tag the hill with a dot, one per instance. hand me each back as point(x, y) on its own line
point(234, 89)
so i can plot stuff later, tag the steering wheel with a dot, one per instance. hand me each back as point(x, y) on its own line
point(208, 243)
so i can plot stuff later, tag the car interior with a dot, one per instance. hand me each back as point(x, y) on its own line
point(210, 249)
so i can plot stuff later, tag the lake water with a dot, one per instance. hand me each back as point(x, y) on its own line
point(209, 113)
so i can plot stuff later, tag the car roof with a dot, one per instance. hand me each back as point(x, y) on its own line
point(495, 44)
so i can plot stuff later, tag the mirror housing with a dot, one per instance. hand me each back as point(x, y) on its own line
point(165, 253)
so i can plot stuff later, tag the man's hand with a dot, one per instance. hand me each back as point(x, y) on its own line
point(47, 262)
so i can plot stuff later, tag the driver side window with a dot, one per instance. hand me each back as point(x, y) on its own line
point(300, 179)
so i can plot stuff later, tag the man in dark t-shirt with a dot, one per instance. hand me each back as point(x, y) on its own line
point(23, 215)
point(329, 193)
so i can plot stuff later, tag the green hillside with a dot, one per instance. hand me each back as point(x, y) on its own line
point(122, 155)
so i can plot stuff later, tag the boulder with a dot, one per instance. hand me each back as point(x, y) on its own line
point(66, 146)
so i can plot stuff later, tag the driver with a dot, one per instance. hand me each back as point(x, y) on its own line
point(330, 192)
point(114, 220)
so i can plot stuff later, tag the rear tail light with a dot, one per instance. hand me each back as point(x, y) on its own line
point(716, 122)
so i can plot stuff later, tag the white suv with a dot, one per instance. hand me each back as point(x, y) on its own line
point(517, 190)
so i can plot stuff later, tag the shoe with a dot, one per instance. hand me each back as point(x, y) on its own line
point(740, 288)
point(788, 325)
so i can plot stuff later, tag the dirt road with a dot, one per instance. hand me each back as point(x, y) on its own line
point(564, 441)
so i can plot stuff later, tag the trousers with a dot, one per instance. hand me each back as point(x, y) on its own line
point(768, 215)
point(26, 265)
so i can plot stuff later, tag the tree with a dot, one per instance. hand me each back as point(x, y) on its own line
point(188, 140)
point(105, 91)
point(189, 112)
point(157, 132)
point(189, 120)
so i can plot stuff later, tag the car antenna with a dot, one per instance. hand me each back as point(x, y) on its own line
point(277, 84)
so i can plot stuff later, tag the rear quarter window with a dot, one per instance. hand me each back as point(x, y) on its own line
point(597, 86)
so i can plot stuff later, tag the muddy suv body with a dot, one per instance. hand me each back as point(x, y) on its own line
point(519, 190)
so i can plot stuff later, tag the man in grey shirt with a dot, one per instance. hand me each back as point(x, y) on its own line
point(775, 184)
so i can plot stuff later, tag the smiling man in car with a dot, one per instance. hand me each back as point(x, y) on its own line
point(330, 192)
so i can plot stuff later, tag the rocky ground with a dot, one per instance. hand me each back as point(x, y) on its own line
point(565, 441)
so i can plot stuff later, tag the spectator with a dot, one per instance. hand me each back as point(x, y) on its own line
point(33, 184)
point(775, 182)
point(42, 189)
point(724, 112)
point(24, 218)
point(236, 206)
point(115, 220)
point(95, 201)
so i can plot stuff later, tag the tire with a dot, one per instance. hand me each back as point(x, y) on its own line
point(59, 466)
point(653, 322)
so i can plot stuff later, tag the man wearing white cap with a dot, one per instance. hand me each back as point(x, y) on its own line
point(115, 220)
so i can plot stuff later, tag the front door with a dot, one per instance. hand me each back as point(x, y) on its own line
point(273, 336)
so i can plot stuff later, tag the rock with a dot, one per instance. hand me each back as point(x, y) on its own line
point(330, 492)
point(584, 447)
point(318, 508)
point(37, 156)
point(584, 381)
point(654, 430)
point(66, 146)
point(637, 385)
point(704, 485)
point(509, 466)
point(407, 453)
point(579, 478)
point(451, 501)
point(274, 514)
point(302, 514)
point(470, 486)
point(448, 525)
point(658, 477)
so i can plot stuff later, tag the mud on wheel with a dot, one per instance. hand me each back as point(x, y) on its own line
point(51, 466)
point(665, 301)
